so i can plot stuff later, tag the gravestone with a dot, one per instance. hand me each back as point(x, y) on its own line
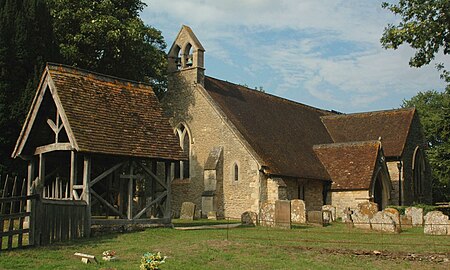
point(327, 216)
point(383, 222)
point(298, 211)
point(416, 215)
point(395, 215)
point(332, 209)
point(315, 218)
point(283, 214)
point(361, 221)
point(347, 218)
point(436, 223)
point(367, 209)
point(187, 211)
point(267, 214)
point(406, 222)
point(249, 218)
point(212, 215)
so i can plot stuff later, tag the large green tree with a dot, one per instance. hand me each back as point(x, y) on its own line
point(26, 42)
point(425, 26)
point(434, 112)
point(108, 36)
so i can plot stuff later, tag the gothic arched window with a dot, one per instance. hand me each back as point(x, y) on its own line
point(182, 167)
point(418, 172)
point(236, 172)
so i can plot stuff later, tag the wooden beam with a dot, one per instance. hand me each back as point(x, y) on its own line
point(107, 204)
point(30, 178)
point(73, 172)
point(130, 193)
point(168, 207)
point(150, 204)
point(87, 194)
point(53, 147)
point(41, 168)
point(109, 222)
point(149, 172)
point(106, 173)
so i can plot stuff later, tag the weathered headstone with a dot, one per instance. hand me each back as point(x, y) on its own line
point(395, 215)
point(347, 217)
point(383, 222)
point(315, 218)
point(332, 209)
point(406, 222)
point(327, 216)
point(187, 211)
point(249, 218)
point(212, 215)
point(267, 218)
point(283, 214)
point(361, 221)
point(367, 209)
point(416, 215)
point(298, 211)
point(436, 223)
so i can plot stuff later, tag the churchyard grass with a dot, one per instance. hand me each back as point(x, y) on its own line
point(303, 247)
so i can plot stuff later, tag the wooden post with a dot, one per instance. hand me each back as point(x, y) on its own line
point(87, 194)
point(130, 193)
point(30, 178)
point(73, 172)
point(42, 168)
point(168, 207)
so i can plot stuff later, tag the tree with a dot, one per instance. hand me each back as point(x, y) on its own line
point(26, 43)
point(425, 26)
point(434, 111)
point(108, 36)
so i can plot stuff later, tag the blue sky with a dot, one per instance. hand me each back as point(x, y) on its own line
point(322, 53)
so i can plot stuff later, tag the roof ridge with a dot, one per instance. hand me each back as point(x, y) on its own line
point(342, 144)
point(272, 96)
point(369, 113)
point(58, 66)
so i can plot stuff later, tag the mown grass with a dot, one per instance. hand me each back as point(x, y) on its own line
point(302, 247)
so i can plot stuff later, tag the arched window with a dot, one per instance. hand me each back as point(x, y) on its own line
point(418, 172)
point(236, 172)
point(188, 55)
point(182, 167)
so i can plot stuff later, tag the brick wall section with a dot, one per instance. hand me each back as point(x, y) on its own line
point(343, 199)
point(186, 103)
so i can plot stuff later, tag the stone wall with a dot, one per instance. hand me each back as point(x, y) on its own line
point(343, 199)
point(188, 103)
point(313, 190)
point(393, 173)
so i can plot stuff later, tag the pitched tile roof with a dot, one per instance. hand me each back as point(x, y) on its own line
point(392, 126)
point(114, 116)
point(281, 132)
point(350, 165)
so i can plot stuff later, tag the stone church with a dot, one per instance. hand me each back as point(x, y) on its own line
point(246, 147)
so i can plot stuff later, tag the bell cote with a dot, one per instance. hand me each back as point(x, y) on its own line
point(187, 53)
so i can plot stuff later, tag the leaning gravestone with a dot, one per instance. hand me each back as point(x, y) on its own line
point(416, 215)
point(332, 209)
point(367, 209)
point(383, 222)
point(187, 211)
point(395, 215)
point(315, 218)
point(283, 214)
point(361, 221)
point(298, 211)
point(249, 218)
point(436, 223)
point(267, 214)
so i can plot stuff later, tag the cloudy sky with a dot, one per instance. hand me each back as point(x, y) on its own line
point(322, 53)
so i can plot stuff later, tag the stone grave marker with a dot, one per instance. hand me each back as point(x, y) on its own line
point(383, 222)
point(298, 211)
point(267, 214)
point(283, 214)
point(405, 222)
point(395, 215)
point(212, 215)
point(315, 218)
point(187, 211)
point(327, 217)
point(416, 215)
point(348, 217)
point(436, 223)
point(332, 209)
point(361, 221)
point(367, 209)
point(249, 218)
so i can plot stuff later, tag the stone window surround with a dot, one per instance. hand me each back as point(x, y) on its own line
point(181, 131)
point(235, 178)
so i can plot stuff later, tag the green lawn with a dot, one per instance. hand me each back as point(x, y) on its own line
point(331, 247)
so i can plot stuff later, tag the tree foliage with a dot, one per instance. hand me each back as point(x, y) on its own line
point(425, 26)
point(434, 112)
point(109, 37)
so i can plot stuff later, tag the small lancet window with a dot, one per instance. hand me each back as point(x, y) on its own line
point(236, 172)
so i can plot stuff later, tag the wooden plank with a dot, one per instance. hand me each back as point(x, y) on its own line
point(11, 233)
point(109, 222)
point(17, 198)
point(106, 173)
point(73, 172)
point(150, 204)
point(87, 194)
point(168, 207)
point(149, 172)
point(63, 202)
point(53, 147)
point(130, 193)
point(107, 204)
point(14, 215)
point(42, 168)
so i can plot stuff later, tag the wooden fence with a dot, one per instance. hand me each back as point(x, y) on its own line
point(46, 222)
